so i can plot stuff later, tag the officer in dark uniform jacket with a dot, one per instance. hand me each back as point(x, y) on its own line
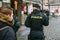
point(35, 21)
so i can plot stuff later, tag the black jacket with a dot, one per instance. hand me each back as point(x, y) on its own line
point(7, 33)
point(36, 20)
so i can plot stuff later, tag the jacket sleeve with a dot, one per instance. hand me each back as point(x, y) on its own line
point(27, 22)
point(45, 20)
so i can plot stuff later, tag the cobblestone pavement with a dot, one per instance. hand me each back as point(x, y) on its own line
point(23, 32)
point(52, 32)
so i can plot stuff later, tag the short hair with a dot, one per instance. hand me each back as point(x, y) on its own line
point(6, 10)
point(7, 7)
point(36, 5)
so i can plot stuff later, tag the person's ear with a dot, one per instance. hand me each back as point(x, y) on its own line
point(9, 15)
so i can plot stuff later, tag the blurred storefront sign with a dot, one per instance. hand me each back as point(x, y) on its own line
point(56, 10)
point(46, 2)
point(54, 2)
point(6, 1)
point(32, 0)
point(0, 3)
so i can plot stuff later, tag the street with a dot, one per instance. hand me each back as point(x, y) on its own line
point(52, 32)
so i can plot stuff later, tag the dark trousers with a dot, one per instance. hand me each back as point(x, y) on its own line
point(36, 35)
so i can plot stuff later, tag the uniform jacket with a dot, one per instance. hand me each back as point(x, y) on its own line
point(35, 21)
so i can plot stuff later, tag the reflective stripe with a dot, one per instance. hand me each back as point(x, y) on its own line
point(4, 28)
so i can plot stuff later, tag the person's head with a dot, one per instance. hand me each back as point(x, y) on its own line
point(6, 15)
point(8, 11)
point(36, 7)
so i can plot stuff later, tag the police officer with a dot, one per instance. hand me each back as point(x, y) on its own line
point(35, 21)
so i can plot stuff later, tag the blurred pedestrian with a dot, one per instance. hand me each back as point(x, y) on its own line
point(35, 21)
point(6, 23)
point(16, 25)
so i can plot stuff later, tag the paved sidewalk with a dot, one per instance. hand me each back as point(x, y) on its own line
point(23, 32)
point(52, 32)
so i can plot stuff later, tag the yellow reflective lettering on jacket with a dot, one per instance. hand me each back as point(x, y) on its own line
point(36, 17)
